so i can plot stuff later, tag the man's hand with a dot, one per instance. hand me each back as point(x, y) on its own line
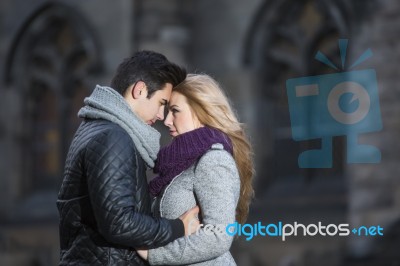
point(190, 220)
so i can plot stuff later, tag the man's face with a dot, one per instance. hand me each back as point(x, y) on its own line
point(152, 109)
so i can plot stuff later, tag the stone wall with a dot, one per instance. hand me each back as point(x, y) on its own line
point(211, 36)
point(29, 222)
point(374, 189)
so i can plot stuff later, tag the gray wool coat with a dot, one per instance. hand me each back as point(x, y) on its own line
point(214, 184)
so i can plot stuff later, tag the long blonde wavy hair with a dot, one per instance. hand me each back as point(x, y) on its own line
point(211, 106)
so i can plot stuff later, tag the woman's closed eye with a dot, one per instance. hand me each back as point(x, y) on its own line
point(174, 110)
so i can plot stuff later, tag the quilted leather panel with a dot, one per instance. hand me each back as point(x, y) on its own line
point(103, 202)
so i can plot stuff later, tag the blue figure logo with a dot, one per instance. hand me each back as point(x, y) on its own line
point(340, 104)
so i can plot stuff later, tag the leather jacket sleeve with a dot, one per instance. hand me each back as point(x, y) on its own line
point(111, 168)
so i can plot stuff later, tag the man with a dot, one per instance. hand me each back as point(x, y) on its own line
point(103, 202)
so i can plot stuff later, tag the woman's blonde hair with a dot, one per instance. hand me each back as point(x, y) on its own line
point(211, 106)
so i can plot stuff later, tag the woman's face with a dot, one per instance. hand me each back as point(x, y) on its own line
point(180, 118)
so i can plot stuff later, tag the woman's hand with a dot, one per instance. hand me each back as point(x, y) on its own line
point(144, 253)
point(190, 220)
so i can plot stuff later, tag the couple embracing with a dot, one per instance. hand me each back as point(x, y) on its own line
point(110, 214)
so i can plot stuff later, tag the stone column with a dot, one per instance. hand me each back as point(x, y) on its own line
point(374, 189)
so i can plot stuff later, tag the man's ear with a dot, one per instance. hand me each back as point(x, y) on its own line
point(138, 89)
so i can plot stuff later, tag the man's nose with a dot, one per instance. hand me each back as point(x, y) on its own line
point(160, 114)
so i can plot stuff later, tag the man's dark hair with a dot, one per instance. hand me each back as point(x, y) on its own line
point(152, 68)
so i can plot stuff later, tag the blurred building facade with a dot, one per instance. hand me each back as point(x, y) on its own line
point(54, 53)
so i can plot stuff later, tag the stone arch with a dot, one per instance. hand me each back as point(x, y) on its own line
point(281, 43)
point(49, 65)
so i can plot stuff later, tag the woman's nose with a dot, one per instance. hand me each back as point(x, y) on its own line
point(168, 119)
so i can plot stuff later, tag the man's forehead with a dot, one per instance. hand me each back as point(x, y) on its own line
point(162, 95)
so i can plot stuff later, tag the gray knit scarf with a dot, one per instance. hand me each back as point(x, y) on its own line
point(106, 103)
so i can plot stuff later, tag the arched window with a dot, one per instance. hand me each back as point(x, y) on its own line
point(281, 44)
point(50, 62)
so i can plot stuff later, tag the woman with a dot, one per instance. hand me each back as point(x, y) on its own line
point(209, 164)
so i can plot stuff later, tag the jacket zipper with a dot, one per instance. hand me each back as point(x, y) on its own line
point(165, 190)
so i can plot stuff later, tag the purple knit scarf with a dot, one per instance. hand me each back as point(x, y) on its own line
point(183, 152)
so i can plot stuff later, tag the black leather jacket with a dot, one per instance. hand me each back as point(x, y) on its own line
point(104, 203)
